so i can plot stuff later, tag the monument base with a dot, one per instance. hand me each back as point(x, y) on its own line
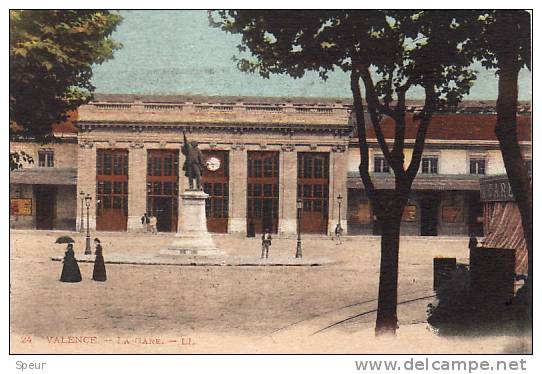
point(192, 237)
point(192, 244)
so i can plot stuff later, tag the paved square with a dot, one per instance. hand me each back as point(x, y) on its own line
point(193, 309)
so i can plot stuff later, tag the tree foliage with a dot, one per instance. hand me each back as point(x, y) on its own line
point(51, 57)
point(391, 52)
point(493, 44)
point(17, 159)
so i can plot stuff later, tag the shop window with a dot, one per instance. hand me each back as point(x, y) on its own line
point(430, 165)
point(46, 159)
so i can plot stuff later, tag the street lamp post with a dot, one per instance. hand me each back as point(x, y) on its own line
point(82, 220)
point(299, 205)
point(339, 200)
point(88, 199)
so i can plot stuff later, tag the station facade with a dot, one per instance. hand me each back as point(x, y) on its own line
point(262, 155)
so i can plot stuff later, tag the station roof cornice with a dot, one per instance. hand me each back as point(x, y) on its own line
point(471, 106)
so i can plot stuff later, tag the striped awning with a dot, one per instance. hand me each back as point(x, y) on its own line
point(503, 228)
point(43, 175)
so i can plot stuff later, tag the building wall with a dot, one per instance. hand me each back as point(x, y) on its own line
point(495, 164)
point(451, 161)
point(66, 208)
point(65, 204)
point(362, 222)
point(65, 154)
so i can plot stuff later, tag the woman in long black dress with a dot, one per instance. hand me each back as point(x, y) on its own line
point(99, 273)
point(70, 269)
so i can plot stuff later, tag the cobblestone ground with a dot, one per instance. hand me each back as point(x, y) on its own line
point(190, 309)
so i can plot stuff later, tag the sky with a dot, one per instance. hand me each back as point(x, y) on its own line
point(177, 52)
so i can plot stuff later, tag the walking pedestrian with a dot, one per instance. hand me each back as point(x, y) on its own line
point(266, 243)
point(99, 273)
point(338, 234)
point(153, 222)
point(70, 269)
point(145, 222)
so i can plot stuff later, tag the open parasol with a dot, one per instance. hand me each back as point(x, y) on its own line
point(64, 240)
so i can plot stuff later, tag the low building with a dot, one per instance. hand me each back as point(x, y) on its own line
point(43, 193)
point(262, 155)
point(460, 148)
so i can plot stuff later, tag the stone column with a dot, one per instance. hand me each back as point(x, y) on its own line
point(238, 190)
point(337, 186)
point(288, 191)
point(86, 180)
point(137, 185)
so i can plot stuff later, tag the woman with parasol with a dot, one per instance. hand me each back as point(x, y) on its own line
point(70, 269)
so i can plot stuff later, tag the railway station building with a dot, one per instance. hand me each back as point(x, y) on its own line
point(262, 155)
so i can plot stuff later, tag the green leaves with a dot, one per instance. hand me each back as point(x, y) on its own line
point(51, 57)
point(17, 159)
point(419, 47)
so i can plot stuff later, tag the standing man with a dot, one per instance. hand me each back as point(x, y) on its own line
point(266, 243)
point(194, 163)
point(145, 222)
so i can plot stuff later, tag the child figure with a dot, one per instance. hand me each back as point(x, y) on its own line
point(338, 234)
point(266, 243)
point(153, 224)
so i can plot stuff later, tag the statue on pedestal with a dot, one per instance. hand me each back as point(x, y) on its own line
point(194, 163)
point(192, 236)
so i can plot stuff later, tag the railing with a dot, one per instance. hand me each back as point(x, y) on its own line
point(165, 107)
point(112, 106)
point(317, 110)
point(216, 108)
point(227, 107)
point(305, 109)
point(260, 108)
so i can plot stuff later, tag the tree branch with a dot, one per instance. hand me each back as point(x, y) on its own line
point(400, 129)
point(374, 105)
point(362, 142)
point(425, 120)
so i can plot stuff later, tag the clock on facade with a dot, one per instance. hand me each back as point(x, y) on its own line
point(213, 164)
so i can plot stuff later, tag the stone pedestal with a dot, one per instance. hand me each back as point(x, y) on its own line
point(192, 235)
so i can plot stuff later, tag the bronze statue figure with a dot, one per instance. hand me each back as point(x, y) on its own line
point(194, 163)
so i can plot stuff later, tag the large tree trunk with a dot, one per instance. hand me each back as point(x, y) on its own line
point(508, 27)
point(386, 318)
point(511, 152)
